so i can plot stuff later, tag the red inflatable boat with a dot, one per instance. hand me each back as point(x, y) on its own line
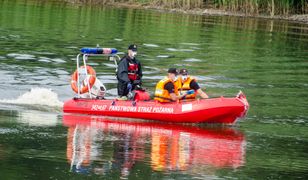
point(213, 110)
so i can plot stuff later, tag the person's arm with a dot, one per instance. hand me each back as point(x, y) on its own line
point(202, 94)
point(174, 97)
point(139, 69)
point(122, 73)
point(195, 86)
point(170, 88)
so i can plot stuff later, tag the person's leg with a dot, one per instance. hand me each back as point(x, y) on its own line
point(122, 89)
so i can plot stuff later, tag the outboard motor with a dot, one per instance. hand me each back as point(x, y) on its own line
point(97, 91)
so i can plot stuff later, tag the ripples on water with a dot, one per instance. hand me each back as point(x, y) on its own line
point(266, 59)
point(165, 148)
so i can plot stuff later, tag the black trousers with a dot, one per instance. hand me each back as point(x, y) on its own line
point(122, 89)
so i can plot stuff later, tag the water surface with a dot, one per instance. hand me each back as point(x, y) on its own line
point(266, 59)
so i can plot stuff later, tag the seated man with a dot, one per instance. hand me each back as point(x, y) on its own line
point(187, 83)
point(166, 91)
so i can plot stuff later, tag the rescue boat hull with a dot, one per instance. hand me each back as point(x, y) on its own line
point(214, 110)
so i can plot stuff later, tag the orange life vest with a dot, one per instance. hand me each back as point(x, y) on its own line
point(184, 87)
point(161, 94)
point(132, 71)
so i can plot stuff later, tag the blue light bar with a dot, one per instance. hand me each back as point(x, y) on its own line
point(87, 50)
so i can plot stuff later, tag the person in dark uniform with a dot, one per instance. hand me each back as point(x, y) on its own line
point(129, 73)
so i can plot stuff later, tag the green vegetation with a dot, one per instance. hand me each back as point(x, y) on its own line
point(271, 7)
point(253, 7)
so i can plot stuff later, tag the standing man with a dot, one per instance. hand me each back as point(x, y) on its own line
point(187, 83)
point(166, 89)
point(129, 73)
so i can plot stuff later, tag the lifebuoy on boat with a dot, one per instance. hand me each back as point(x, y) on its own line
point(91, 72)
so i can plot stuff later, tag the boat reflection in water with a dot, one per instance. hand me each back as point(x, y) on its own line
point(100, 145)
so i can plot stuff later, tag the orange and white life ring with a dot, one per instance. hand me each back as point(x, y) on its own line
point(91, 72)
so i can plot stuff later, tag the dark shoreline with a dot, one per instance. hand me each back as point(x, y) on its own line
point(300, 18)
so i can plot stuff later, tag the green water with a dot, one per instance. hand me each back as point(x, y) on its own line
point(265, 59)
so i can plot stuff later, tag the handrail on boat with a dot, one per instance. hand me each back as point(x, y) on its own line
point(111, 53)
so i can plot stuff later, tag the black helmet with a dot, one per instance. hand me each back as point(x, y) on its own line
point(173, 71)
point(183, 72)
point(132, 47)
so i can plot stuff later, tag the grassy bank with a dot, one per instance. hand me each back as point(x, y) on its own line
point(249, 7)
point(269, 7)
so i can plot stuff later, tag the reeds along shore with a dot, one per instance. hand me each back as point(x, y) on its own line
point(251, 7)
point(271, 7)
